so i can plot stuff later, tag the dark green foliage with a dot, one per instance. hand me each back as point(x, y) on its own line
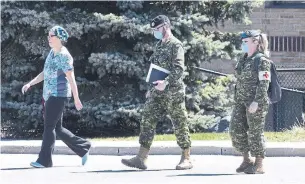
point(111, 43)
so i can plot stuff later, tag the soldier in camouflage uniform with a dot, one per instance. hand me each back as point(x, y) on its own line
point(166, 98)
point(251, 102)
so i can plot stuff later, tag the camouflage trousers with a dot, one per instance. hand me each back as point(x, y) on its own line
point(247, 130)
point(158, 106)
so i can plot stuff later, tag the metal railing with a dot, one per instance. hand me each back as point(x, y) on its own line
point(290, 110)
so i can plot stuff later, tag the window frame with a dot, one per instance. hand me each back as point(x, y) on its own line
point(285, 4)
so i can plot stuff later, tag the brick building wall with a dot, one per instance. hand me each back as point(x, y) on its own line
point(285, 28)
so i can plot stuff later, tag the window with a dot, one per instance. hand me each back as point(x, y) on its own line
point(285, 4)
point(287, 43)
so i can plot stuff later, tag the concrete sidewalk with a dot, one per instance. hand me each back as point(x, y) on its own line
point(274, 149)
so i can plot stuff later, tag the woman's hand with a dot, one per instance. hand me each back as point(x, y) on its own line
point(253, 107)
point(25, 88)
point(78, 104)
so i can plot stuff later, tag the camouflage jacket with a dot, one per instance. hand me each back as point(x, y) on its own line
point(170, 55)
point(252, 85)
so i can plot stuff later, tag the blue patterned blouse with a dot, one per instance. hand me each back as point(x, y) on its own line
point(55, 81)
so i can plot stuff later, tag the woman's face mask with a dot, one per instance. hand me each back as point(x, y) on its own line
point(248, 45)
point(244, 47)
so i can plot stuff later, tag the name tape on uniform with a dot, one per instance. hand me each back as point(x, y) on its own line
point(264, 75)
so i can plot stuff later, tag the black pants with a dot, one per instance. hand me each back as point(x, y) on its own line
point(53, 116)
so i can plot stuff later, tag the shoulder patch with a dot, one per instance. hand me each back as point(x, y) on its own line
point(264, 75)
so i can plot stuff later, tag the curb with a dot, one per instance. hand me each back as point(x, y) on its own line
point(119, 148)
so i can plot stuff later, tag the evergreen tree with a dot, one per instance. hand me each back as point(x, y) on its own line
point(111, 43)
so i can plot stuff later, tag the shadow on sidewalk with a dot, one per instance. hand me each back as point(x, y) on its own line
point(24, 168)
point(207, 174)
point(17, 168)
point(125, 171)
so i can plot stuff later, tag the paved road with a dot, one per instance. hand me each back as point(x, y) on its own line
point(67, 169)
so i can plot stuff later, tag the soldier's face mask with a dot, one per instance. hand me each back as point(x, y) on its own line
point(158, 35)
point(244, 47)
point(247, 39)
point(158, 32)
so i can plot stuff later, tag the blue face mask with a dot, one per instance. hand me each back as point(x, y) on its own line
point(244, 47)
point(158, 35)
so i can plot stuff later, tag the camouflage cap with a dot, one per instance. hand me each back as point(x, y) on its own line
point(250, 33)
point(160, 19)
point(60, 32)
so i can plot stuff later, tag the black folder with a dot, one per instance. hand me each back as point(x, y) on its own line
point(156, 73)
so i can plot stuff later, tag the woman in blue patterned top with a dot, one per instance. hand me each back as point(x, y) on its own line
point(59, 81)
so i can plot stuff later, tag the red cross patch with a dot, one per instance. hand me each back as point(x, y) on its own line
point(264, 75)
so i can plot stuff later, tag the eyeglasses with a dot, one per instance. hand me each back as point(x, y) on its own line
point(50, 36)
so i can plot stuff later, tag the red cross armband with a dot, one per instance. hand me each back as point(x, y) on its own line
point(264, 75)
